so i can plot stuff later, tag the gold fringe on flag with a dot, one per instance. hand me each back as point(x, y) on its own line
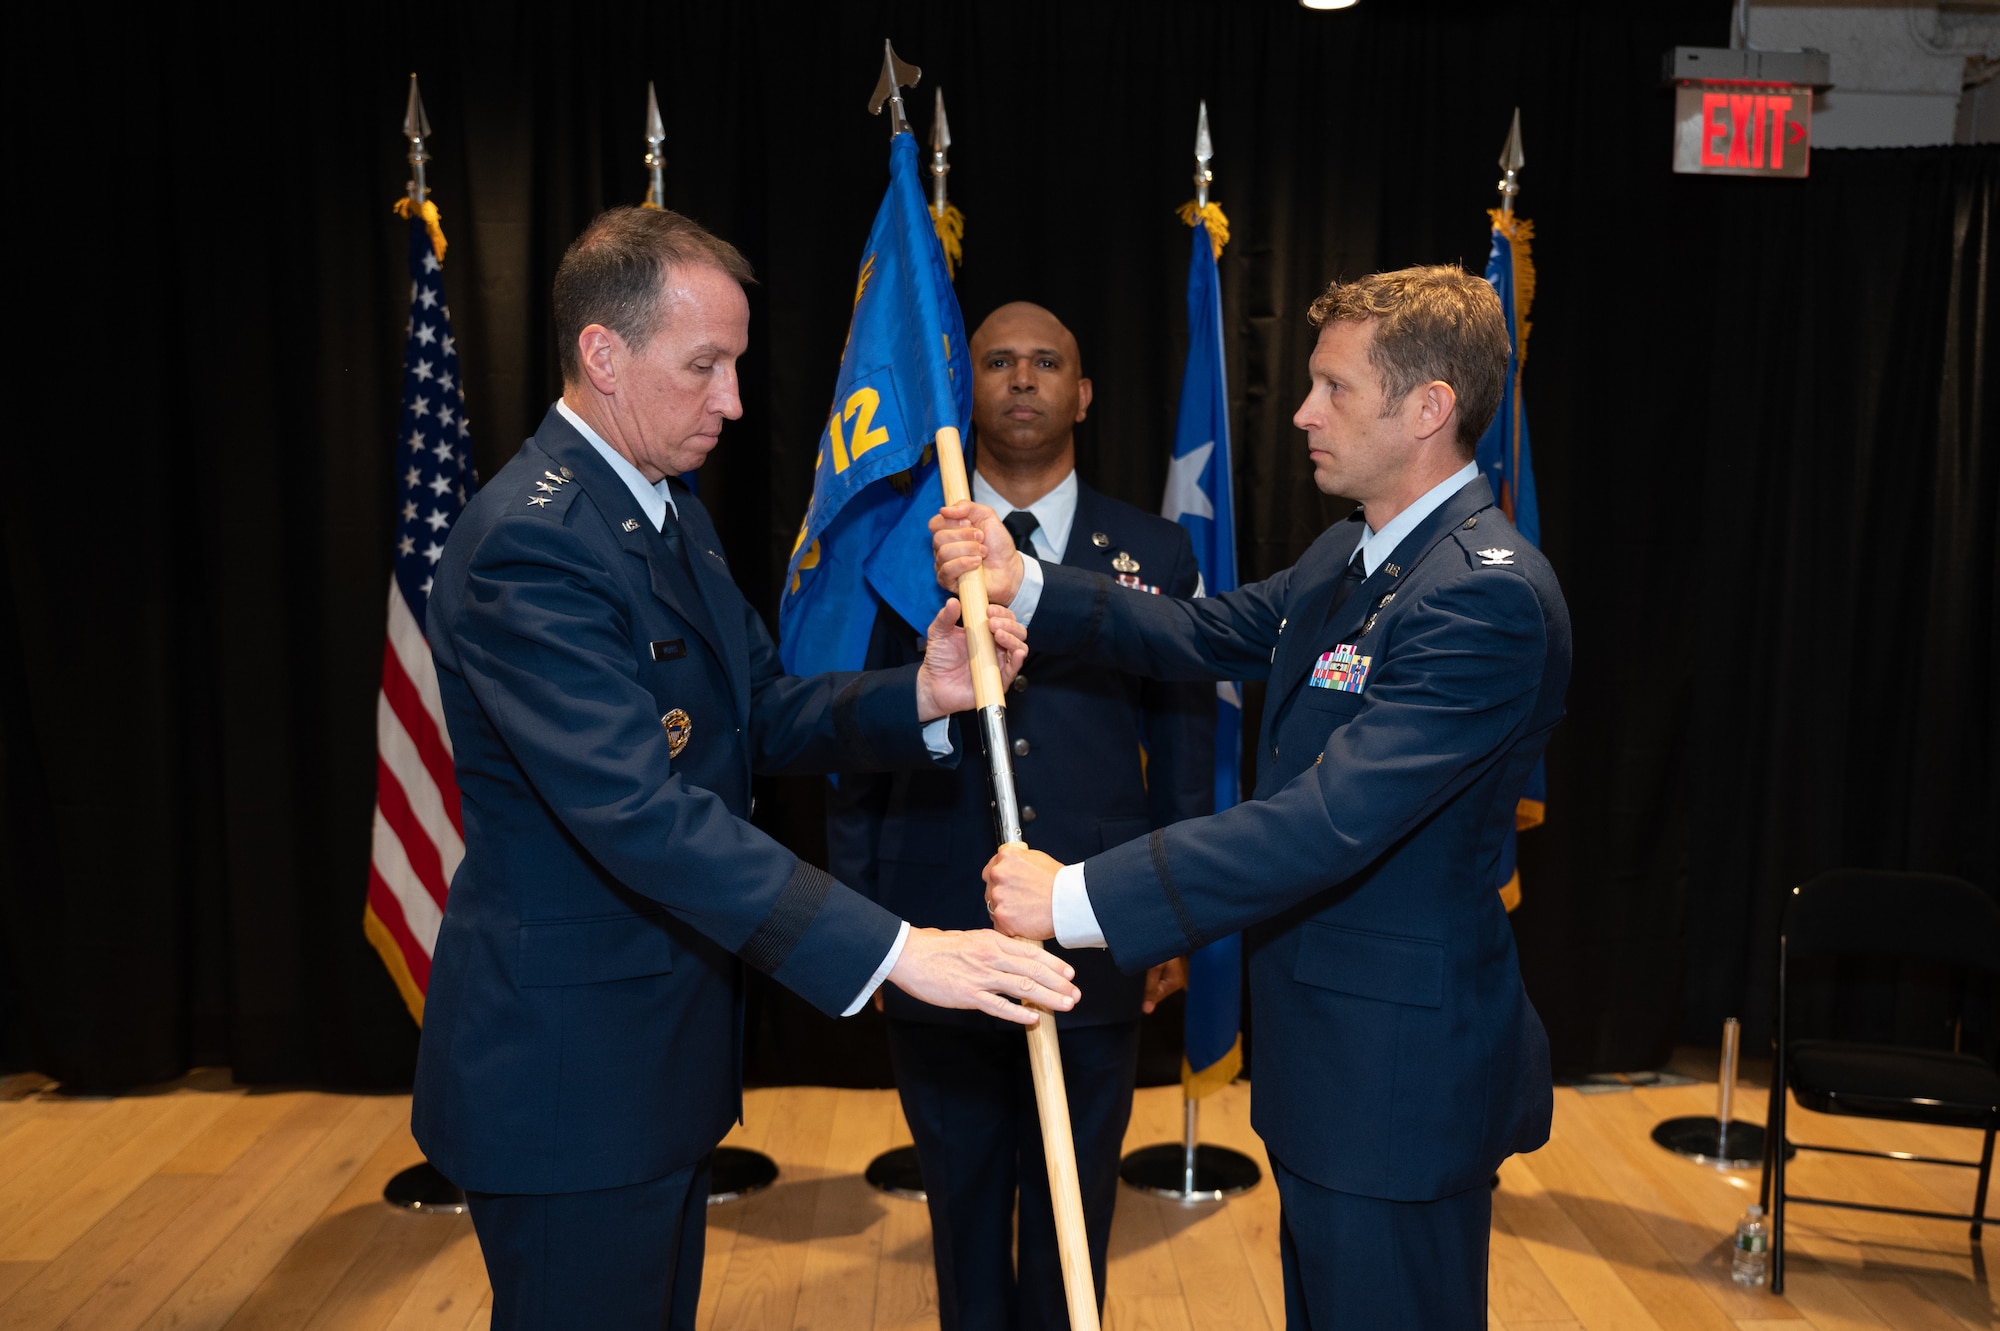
point(951, 234)
point(1211, 217)
point(1195, 1085)
point(431, 223)
point(1520, 233)
point(392, 957)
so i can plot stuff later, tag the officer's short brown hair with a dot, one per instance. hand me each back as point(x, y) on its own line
point(1433, 322)
point(613, 274)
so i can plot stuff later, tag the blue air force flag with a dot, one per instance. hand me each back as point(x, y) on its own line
point(903, 376)
point(1200, 497)
point(1506, 461)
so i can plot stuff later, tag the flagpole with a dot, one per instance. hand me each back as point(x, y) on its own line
point(989, 700)
point(422, 1187)
point(656, 161)
point(897, 1171)
point(1187, 1171)
point(733, 1171)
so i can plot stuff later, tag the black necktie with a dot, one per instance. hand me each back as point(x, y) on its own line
point(1357, 573)
point(670, 532)
point(1020, 525)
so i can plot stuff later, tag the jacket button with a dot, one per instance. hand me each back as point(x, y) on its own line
point(1020, 748)
point(1027, 814)
point(1020, 683)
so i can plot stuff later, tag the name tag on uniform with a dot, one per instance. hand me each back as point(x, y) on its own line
point(670, 649)
point(1342, 668)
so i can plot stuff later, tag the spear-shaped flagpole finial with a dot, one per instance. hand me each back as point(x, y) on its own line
point(1203, 151)
point(416, 128)
point(940, 140)
point(656, 161)
point(896, 75)
point(1511, 162)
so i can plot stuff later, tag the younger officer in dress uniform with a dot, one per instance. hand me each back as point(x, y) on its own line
point(919, 840)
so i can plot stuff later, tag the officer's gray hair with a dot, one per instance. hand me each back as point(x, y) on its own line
point(613, 274)
point(1434, 322)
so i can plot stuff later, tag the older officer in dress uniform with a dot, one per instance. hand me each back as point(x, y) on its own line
point(609, 693)
point(921, 839)
point(1416, 656)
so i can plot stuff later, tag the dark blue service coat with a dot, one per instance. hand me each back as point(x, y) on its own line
point(917, 840)
point(583, 1027)
point(1398, 1055)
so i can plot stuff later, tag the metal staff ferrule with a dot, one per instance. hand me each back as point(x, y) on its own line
point(1006, 805)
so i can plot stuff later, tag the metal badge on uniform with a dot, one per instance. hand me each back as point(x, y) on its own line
point(1124, 563)
point(630, 524)
point(678, 725)
point(1495, 557)
point(1100, 540)
point(1343, 668)
point(541, 500)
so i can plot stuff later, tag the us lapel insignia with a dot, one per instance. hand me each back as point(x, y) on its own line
point(1395, 570)
point(630, 524)
point(1495, 557)
point(1124, 563)
point(1343, 668)
point(678, 725)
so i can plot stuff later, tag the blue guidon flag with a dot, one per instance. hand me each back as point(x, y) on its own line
point(904, 375)
point(1508, 464)
point(419, 838)
point(1200, 497)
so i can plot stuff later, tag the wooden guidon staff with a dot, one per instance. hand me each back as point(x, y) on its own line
point(1051, 1100)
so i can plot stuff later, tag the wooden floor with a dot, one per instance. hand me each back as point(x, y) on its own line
point(203, 1205)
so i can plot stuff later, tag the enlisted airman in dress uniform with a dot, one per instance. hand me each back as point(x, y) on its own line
point(917, 840)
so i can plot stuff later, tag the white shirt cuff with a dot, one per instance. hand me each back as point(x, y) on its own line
point(1029, 594)
point(881, 971)
point(1069, 905)
point(937, 737)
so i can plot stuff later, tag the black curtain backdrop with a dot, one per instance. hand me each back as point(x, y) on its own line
point(1766, 460)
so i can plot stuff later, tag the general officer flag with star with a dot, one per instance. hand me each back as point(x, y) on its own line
point(1200, 497)
point(903, 376)
point(1508, 464)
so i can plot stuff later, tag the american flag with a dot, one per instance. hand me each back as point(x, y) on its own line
point(419, 837)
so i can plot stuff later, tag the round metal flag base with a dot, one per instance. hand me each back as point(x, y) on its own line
point(422, 1188)
point(1162, 1170)
point(896, 1173)
point(735, 1172)
point(1707, 1142)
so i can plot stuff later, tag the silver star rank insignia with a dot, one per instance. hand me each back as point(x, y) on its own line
point(542, 500)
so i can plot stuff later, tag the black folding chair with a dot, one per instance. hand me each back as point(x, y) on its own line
point(1907, 916)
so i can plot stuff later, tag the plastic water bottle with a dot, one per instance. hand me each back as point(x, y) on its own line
point(1750, 1263)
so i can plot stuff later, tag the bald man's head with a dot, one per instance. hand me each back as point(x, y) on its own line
point(1028, 389)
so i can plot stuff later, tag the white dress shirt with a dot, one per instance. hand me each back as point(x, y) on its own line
point(654, 501)
point(1069, 903)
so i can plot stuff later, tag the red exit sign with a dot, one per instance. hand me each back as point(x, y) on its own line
point(1737, 129)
